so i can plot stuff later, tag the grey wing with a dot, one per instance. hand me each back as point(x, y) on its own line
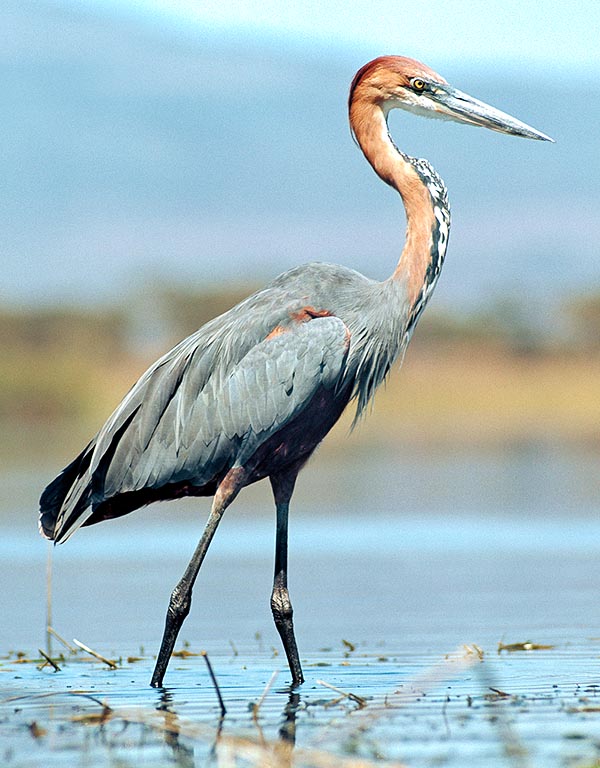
point(69, 499)
point(278, 379)
point(190, 416)
point(201, 431)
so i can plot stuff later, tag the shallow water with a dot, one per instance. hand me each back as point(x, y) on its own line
point(477, 560)
point(419, 710)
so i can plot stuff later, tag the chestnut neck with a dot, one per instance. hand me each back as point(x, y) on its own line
point(422, 193)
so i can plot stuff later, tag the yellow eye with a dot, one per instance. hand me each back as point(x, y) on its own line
point(417, 84)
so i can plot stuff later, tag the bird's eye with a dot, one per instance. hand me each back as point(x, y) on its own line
point(417, 84)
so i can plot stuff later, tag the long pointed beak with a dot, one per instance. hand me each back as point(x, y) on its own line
point(459, 106)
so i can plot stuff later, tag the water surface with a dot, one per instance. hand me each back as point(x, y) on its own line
point(395, 562)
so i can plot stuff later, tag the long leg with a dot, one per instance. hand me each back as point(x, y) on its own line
point(181, 597)
point(281, 606)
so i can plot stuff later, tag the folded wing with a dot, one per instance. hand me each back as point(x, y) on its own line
point(191, 417)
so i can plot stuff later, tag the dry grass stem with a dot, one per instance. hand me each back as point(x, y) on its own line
point(51, 631)
point(214, 682)
point(49, 598)
point(498, 694)
point(474, 649)
point(352, 696)
point(48, 660)
point(97, 655)
point(256, 707)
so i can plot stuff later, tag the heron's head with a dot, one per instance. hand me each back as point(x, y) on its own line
point(399, 82)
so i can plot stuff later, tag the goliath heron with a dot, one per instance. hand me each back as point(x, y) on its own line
point(253, 392)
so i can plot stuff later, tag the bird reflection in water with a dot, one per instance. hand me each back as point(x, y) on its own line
point(181, 745)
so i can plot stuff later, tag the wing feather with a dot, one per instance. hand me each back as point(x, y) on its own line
point(271, 384)
point(185, 422)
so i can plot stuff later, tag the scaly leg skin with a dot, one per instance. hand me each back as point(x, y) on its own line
point(181, 597)
point(281, 606)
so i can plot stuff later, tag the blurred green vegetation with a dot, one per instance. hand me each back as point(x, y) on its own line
point(494, 372)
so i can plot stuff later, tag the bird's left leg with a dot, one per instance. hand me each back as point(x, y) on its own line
point(281, 606)
point(181, 597)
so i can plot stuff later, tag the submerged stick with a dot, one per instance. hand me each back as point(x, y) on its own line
point(214, 682)
point(97, 655)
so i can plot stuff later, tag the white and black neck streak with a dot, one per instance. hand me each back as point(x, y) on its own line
point(372, 96)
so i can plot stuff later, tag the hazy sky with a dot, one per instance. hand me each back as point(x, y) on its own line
point(196, 141)
point(553, 33)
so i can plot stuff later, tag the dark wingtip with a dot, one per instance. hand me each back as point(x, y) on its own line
point(46, 525)
point(53, 496)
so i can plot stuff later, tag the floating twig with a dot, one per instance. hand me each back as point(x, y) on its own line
point(214, 682)
point(526, 646)
point(97, 655)
point(184, 654)
point(497, 694)
point(352, 696)
point(48, 660)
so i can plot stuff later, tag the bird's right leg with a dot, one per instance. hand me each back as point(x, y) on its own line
point(181, 597)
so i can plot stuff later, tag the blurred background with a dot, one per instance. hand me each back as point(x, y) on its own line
point(162, 159)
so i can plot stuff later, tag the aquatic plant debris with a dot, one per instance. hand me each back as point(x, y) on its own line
point(344, 694)
point(497, 694)
point(451, 709)
point(96, 655)
point(526, 646)
point(215, 683)
point(48, 660)
point(473, 648)
point(184, 654)
point(54, 633)
point(37, 731)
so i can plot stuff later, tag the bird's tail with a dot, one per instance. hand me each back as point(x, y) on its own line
point(66, 498)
